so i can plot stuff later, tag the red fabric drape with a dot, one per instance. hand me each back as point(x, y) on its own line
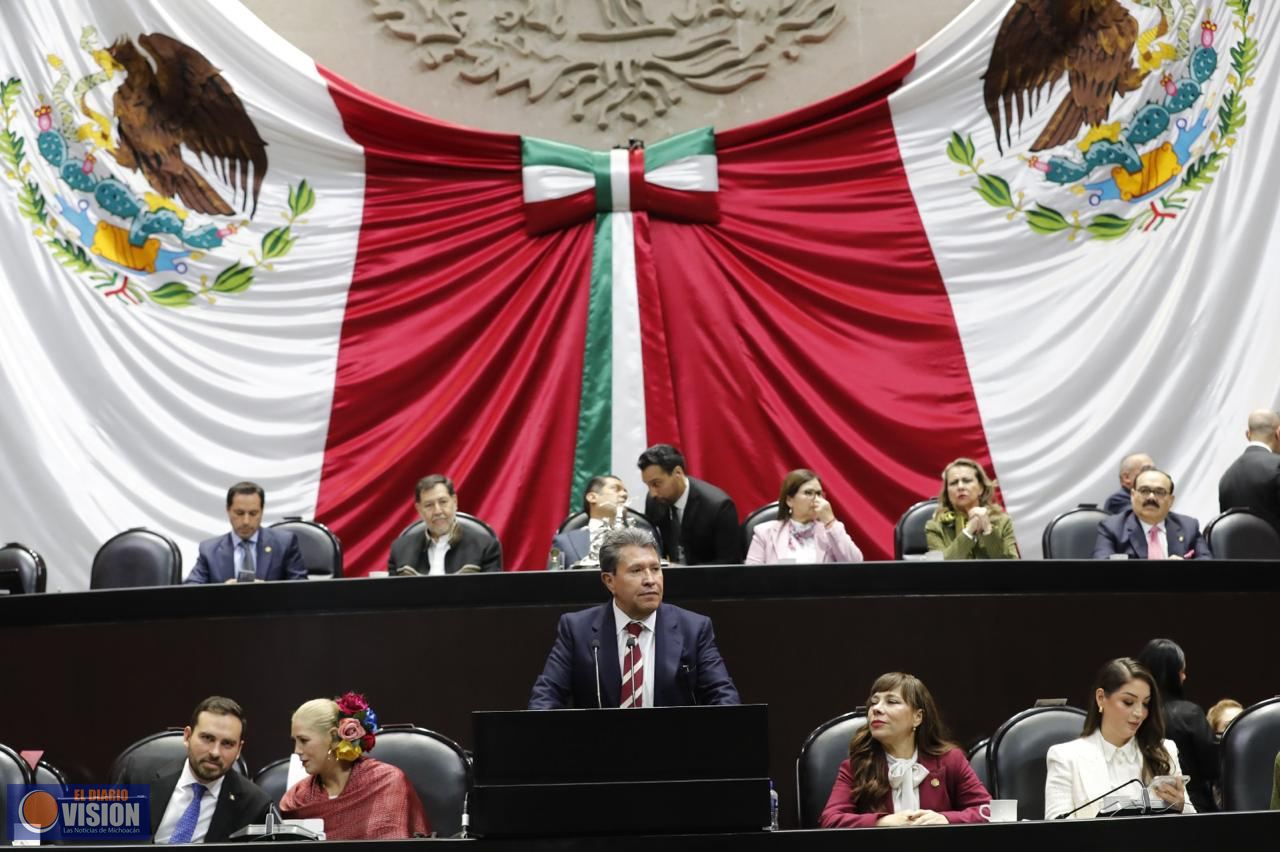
point(461, 348)
point(810, 327)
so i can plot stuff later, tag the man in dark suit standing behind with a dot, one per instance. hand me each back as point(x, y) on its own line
point(1149, 530)
point(206, 801)
point(698, 522)
point(266, 553)
point(634, 651)
point(1253, 480)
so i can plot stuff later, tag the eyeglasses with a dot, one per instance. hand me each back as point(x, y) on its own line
point(1159, 493)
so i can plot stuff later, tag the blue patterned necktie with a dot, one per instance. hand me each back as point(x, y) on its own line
point(186, 826)
point(247, 564)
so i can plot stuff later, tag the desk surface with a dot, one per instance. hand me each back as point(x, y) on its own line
point(1194, 833)
point(103, 669)
point(703, 582)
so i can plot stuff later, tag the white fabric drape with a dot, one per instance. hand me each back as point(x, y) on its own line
point(122, 414)
point(1082, 350)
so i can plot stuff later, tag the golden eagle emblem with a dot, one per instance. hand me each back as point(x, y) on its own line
point(184, 101)
point(1090, 41)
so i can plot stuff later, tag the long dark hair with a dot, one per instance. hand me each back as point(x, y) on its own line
point(1150, 736)
point(1166, 662)
point(867, 762)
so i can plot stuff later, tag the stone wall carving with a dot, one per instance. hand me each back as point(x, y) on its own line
point(610, 61)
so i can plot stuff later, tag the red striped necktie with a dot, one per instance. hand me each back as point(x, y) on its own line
point(633, 670)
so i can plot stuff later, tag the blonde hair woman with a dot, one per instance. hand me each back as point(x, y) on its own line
point(358, 798)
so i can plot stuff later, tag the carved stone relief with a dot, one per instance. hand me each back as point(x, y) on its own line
point(610, 60)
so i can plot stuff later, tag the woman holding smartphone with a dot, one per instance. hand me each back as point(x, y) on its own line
point(806, 530)
point(1122, 742)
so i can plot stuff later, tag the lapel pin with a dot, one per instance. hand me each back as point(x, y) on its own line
point(233, 797)
point(934, 782)
point(1179, 538)
point(266, 549)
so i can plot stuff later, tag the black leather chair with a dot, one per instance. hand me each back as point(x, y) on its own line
point(274, 779)
point(436, 766)
point(578, 520)
point(1249, 748)
point(767, 512)
point(1073, 534)
point(1242, 534)
point(136, 557)
point(47, 773)
point(22, 570)
point(321, 549)
point(908, 535)
point(819, 762)
point(1017, 751)
point(979, 761)
point(160, 753)
point(13, 770)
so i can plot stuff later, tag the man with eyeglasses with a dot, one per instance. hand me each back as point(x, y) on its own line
point(1149, 530)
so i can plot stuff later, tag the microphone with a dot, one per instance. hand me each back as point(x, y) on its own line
point(631, 643)
point(1146, 800)
point(595, 656)
point(466, 817)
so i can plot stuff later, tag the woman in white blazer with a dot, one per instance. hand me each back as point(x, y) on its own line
point(1123, 739)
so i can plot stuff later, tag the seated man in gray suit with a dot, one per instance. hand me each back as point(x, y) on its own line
point(604, 501)
point(443, 547)
point(265, 553)
point(205, 800)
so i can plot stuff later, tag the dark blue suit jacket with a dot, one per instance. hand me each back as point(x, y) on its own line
point(687, 664)
point(573, 545)
point(1123, 534)
point(277, 557)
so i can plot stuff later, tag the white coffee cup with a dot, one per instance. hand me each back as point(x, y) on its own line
point(1000, 810)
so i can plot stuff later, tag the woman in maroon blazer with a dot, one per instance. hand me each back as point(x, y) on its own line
point(902, 770)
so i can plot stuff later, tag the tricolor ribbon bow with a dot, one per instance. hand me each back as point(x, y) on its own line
point(564, 185)
point(674, 178)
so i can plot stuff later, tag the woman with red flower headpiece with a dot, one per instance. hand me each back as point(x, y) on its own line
point(358, 798)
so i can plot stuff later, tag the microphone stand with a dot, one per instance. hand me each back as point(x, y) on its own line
point(595, 655)
point(1145, 798)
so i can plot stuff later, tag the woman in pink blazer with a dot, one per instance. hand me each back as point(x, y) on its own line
point(806, 530)
point(902, 769)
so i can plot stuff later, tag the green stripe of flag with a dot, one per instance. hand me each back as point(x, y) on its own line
point(591, 455)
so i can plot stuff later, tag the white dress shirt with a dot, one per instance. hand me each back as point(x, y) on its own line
point(645, 641)
point(905, 775)
point(437, 549)
point(1123, 764)
point(681, 502)
point(179, 801)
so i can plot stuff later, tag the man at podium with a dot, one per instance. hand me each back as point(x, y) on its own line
point(634, 651)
